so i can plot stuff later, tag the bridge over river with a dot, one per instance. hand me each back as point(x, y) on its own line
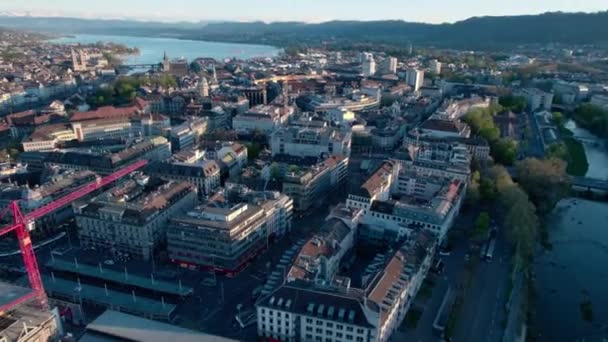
point(590, 184)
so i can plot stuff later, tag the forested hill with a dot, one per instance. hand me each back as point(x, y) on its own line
point(477, 32)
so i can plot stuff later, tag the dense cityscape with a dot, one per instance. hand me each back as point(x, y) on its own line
point(340, 191)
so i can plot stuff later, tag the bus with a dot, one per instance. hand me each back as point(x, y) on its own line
point(490, 251)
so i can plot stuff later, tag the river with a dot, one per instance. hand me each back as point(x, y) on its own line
point(597, 156)
point(152, 49)
point(575, 270)
point(572, 272)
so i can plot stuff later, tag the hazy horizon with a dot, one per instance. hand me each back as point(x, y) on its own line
point(440, 11)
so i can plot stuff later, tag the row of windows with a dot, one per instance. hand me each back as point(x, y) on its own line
point(331, 325)
point(309, 337)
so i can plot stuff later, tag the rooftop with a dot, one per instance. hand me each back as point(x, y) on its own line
point(138, 199)
point(310, 301)
point(111, 275)
point(99, 295)
point(377, 180)
point(133, 328)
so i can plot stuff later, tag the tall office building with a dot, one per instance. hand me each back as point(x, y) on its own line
point(389, 65)
point(368, 65)
point(435, 66)
point(415, 78)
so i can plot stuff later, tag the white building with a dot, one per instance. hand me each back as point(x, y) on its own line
point(340, 116)
point(435, 67)
point(46, 138)
point(415, 78)
point(429, 203)
point(188, 133)
point(277, 206)
point(537, 99)
point(368, 65)
point(263, 118)
point(571, 92)
point(310, 142)
point(304, 311)
point(389, 65)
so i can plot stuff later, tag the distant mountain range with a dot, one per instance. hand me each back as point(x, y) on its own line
point(473, 33)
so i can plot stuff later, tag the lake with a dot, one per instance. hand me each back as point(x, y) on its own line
point(152, 49)
point(574, 271)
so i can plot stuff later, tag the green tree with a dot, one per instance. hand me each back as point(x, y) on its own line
point(522, 225)
point(558, 118)
point(275, 171)
point(473, 191)
point(126, 93)
point(487, 190)
point(545, 181)
point(557, 150)
point(504, 151)
point(519, 216)
point(482, 226)
point(166, 81)
point(592, 118)
point(515, 104)
point(253, 150)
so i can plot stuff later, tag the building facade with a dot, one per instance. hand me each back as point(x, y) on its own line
point(219, 238)
point(131, 218)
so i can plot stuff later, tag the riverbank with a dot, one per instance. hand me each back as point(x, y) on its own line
point(572, 151)
point(577, 158)
point(592, 118)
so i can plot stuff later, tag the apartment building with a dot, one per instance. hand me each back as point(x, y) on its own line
point(204, 174)
point(131, 218)
point(308, 186)
point(302, 310)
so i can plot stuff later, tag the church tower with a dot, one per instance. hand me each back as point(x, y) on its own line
point(204, 87)
point(166, 63)
point(214, 74)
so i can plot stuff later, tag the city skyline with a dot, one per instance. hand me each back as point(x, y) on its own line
point(310, 11)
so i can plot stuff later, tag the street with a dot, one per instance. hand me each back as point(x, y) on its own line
point(482, 315)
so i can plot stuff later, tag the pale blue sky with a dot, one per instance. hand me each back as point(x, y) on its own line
point(433, 11)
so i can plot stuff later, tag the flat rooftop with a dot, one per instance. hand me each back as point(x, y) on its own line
point(127, 327)
point(9, 293)
point(119, 277)
point(111, 298)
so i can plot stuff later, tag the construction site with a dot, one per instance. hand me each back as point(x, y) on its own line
point(25, 311)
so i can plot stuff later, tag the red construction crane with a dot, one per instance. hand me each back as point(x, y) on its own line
point(21, 223)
